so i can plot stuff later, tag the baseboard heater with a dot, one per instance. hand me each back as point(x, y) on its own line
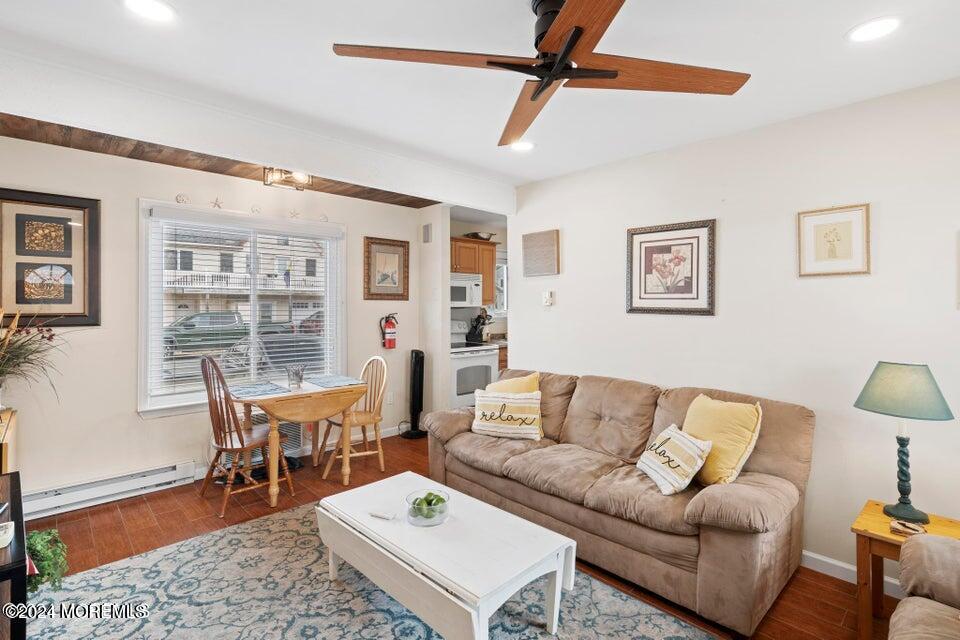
point(53, 501)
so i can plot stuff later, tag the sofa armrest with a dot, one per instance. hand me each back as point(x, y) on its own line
point(754, 503)
point(447, 424)
point(930, 567)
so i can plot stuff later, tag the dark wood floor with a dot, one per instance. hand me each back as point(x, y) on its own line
point(813, 606)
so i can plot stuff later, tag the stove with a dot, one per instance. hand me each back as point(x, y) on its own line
point(474, 365)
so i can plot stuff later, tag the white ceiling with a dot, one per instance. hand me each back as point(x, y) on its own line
point(476, 216)
point(273, 60)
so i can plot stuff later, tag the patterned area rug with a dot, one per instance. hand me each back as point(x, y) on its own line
point(267, 579)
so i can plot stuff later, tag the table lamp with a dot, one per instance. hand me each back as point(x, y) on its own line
point(904, 391)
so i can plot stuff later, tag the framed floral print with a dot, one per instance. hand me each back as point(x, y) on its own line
point(50, 258)
point(834, 242)
point(670, 268)
point(386, 265)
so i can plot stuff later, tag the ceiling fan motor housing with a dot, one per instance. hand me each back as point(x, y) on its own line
point(546, 11)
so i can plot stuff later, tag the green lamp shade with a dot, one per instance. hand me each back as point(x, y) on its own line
point(904, 391)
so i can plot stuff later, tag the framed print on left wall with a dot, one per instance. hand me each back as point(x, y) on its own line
point(670, 268)
point(50, 258)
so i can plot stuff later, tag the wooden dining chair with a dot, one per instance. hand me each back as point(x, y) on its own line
point(366, 412)
point(231, 437)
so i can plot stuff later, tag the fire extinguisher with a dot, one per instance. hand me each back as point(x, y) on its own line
point(388, 331)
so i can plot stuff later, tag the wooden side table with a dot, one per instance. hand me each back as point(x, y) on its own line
point(874, 543)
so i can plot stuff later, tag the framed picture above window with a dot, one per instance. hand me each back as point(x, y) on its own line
point(834, 242)
point(670, 268)
point(50, 258)
point(386, 265)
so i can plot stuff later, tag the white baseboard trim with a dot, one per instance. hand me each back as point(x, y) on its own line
point(846, 572)
point(386, 432)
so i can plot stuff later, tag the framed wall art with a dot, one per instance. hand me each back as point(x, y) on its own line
point(834, 242)
point(50, 257)
point(386, 269)
point(670, 268)
point(541, 253)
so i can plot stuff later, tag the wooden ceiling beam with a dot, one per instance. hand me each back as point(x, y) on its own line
point(13, 126)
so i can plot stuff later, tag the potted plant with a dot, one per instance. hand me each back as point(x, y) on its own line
point(49, 555)
point(25, 352)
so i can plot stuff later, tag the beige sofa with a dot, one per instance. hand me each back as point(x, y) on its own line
point(724, 551)
point(930, 574)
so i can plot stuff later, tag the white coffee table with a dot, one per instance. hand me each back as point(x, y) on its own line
point(454, 576)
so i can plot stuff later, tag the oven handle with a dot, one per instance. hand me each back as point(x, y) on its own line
point(472, 354)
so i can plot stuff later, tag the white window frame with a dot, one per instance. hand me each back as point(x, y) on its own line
point(334, 233)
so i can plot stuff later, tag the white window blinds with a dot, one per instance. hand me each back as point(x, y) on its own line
point(257, 299)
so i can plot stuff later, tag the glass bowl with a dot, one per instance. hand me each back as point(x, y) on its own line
point(427, 508)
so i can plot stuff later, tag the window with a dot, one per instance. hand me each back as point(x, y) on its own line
point(499, 306)
point(310, 268)
point(247, 320)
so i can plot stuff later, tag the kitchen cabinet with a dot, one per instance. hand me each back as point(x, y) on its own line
point(464, 256)
point(476, 256)
point(488, 269)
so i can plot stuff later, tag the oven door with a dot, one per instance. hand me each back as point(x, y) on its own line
point(470, 371)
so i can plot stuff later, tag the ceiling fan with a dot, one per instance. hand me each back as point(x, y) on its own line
point(567, 31)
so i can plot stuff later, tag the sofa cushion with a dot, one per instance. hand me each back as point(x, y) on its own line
point(630, 494)
point(489, 453)
point(555, 393)
point(564, 470)
point(678, 551)
point(917, 618)
point(611, 416)
point(785, 445)
point(930, 567)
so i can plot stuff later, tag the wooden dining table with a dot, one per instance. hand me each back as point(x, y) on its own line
point(309, 404)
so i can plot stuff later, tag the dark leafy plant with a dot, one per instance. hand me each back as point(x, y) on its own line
point(49, 553)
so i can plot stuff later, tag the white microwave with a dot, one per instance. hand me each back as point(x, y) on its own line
point(466, 290)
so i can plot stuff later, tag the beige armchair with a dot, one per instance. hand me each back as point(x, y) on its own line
point(930, 574)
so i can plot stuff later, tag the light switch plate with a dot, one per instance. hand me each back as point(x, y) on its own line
point(548, 298)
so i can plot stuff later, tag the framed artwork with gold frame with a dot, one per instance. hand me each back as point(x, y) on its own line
point(834, 242)
point(50, 258)
point(386, 269)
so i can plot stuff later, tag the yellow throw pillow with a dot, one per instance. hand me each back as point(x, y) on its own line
point(732, 427)
point(526, 384)
point(507, 415)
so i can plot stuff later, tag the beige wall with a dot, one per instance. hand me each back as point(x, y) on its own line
point(93, 430)
point(812, 341)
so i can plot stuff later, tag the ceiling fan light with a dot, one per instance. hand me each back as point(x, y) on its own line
point(155, 10)
point(522, 146)
point(874, 29)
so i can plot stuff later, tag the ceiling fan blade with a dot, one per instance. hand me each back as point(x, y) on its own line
point(650, 75)
point(526, 110)
point(593, 16)
point(453, 58)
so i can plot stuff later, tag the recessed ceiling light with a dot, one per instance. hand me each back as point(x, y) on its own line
point(873, 29)
point(522, 146)
point(155, 10)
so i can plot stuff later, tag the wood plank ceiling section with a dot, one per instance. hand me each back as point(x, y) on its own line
point(13, 126)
